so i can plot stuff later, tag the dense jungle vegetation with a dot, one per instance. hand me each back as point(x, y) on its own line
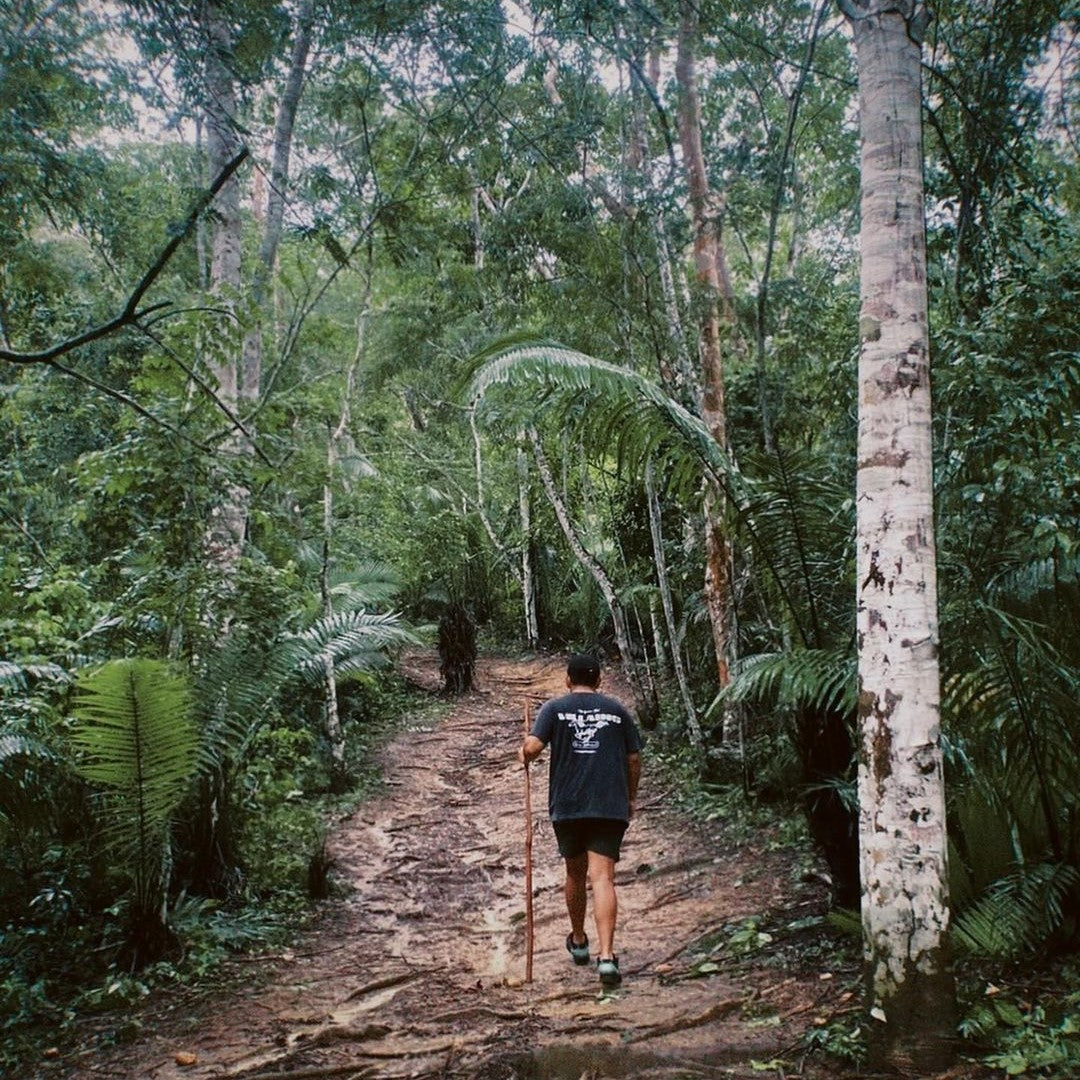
point(331, 329)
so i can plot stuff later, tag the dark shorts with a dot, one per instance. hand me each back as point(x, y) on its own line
point(602, 835)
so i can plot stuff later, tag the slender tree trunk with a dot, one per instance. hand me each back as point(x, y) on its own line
point(716, 322)
point(901, 788)
point(659, 560)
point(528, 584)
point(275, 206)
point(591, 564)
point(340, 779)
point(780, 187)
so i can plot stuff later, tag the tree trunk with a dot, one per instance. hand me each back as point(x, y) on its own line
point(692, 725)
point(228, 519)
point(528, 585)
point(779, 190)
point(901, 789)
point(595, 570)
point(275, 207)
point(340, 780)
point(716, 320)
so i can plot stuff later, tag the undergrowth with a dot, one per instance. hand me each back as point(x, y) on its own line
point(60, 961)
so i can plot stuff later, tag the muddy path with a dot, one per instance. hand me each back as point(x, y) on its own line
point(418, 971)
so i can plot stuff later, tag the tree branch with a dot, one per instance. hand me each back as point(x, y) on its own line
point(131, 313)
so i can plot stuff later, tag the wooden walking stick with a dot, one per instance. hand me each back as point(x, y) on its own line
point(528, 866)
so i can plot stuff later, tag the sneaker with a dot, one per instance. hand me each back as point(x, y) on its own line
point(580, 953)
point(608, 970)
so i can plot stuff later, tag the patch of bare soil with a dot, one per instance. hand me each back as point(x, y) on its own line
point(419, 971)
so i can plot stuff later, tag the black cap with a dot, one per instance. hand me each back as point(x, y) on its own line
point(583, 669)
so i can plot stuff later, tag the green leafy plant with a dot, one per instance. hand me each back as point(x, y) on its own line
point(138, 745)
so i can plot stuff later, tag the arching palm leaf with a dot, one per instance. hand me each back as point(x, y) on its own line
point(797, 679)
point(355, 640)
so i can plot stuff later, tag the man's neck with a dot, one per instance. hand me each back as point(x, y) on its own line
point(579, 688)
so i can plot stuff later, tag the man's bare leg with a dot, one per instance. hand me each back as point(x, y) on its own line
point(576, 875)
point(605, 903)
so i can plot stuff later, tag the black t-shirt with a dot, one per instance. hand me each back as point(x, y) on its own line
point(590, 735)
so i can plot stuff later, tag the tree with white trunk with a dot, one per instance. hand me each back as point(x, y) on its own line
point(905, 899)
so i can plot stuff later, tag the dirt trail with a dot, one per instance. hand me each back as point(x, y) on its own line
point(419, 971)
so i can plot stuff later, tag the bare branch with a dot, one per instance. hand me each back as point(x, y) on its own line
point(131, 313)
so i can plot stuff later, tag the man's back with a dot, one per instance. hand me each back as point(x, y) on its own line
point(590, 735)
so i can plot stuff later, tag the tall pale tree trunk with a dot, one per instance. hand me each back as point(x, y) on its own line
point(340, 779)
point(273, 216)
point(716, 328)
point(905, 903)
point(228, 519)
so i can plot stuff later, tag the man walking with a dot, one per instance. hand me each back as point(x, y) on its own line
point(595, 768)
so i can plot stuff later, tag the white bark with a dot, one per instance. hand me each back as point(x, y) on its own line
point(335, 733)
point(528, 584)
point(660, 562)
point(901, 791)
point(228, 519)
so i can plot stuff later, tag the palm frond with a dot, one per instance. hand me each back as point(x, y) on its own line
point(799, 678)
point(638, 416)
point(18, 676)
point(794, 516)
point(354, 640)
point(14, 745)
point(367, 584)
point(1018, 914)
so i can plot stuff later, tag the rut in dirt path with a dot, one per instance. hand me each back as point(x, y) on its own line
point(419, 971)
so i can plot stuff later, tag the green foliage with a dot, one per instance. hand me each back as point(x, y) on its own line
point(1018, 914)
point(135, 740)
point(844, 1039)
point(1027, 1034)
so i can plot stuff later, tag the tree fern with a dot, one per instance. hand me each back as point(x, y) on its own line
point(136, 743)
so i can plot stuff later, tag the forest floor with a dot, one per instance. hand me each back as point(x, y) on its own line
point(418, 970)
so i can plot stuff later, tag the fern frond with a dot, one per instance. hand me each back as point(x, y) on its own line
point(800, 678)
point(136, 741)
point(354, 639)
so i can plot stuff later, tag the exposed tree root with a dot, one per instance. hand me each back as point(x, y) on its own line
point(713, 1012)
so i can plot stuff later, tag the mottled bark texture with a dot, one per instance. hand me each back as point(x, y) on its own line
point(905, 903)
point(228, 517)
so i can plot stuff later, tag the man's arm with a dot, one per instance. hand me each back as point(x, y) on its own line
point(531, 748)
point(633, 775)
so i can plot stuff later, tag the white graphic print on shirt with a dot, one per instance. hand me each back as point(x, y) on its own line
point(585, 726)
